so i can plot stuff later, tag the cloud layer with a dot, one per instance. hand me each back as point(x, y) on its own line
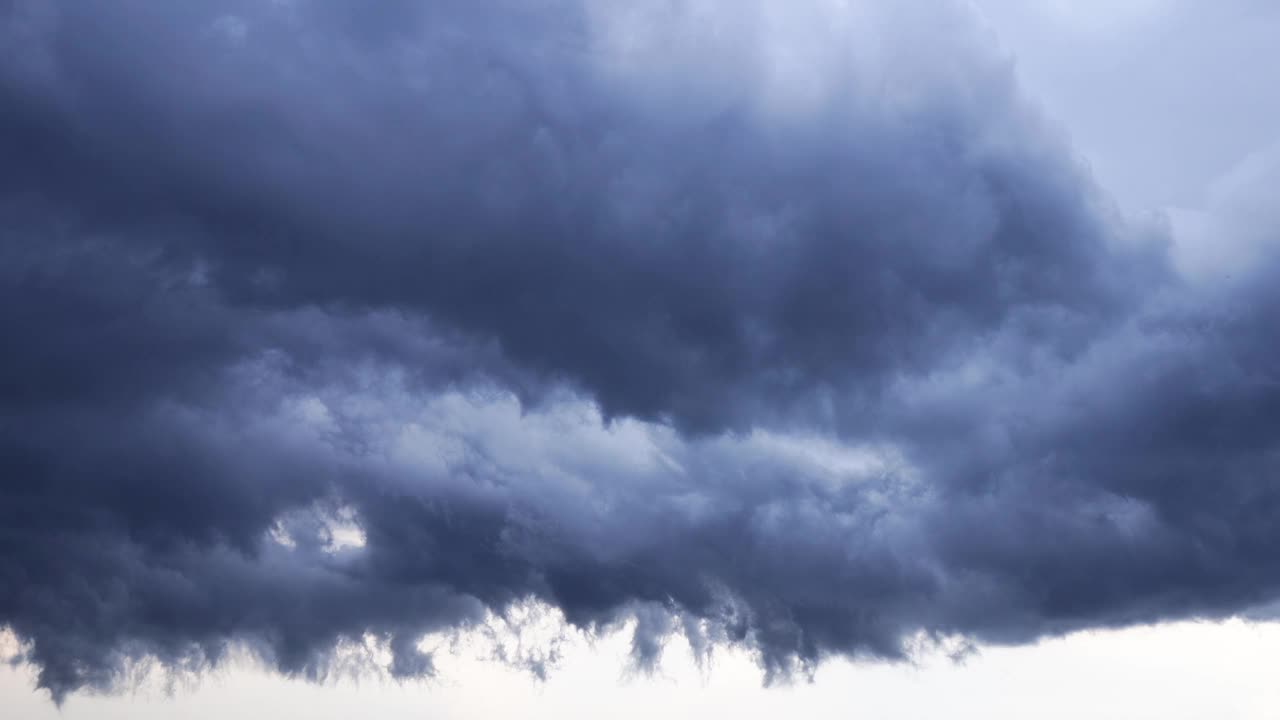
point(797, 328)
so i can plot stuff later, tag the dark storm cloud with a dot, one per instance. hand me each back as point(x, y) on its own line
point(795, 328)
point(675, 245)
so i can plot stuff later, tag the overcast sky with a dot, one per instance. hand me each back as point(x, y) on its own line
point(1163, 96)
point(455, 359)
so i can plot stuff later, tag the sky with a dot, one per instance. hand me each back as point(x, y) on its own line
point(910, 359)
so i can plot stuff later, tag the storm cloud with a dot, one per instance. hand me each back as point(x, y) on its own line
point(791, 327)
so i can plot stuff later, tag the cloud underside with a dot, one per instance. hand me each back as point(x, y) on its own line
point(796, 328)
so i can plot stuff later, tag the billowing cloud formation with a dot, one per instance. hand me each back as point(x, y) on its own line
point(791, 327)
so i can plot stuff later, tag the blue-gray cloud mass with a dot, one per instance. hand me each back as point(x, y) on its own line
point(792, 327)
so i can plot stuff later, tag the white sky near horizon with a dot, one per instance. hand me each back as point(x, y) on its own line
point(1167, 100)
point(1222, 671)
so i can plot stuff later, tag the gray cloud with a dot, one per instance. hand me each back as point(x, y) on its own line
point(791, 328)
